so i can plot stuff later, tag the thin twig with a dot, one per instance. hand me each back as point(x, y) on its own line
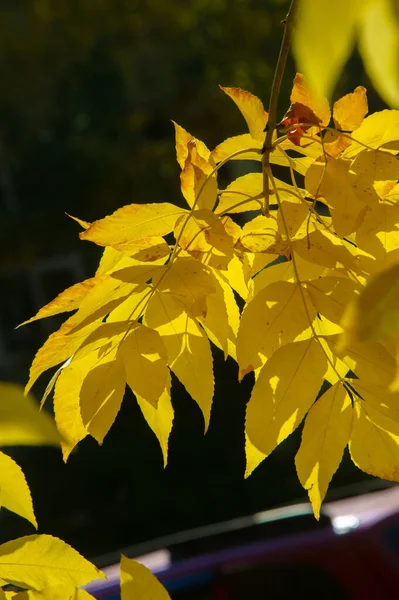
point(274, 95)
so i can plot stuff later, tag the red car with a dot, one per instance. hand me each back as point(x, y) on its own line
point(352, 553)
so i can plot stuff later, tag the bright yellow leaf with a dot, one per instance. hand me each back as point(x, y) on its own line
point(55, 592)
point(189, 353)
point(274, 317)
point(138, 583)
point(235, 277)
point(334, 183)
point(236, 197)
point(198, 179)
point(379, 48)
point(324, 437)
point(14, 491)
point(377, 131)
point(331, 295)
point(350, 110)
point(251, 109)
point(244, 145)
point(285, 389)
point(68, 300)
point(374, 443)
point(183, 138)
point(133, 222)
point(37, 561)
point(159, 418)
point(261, 235)
point(379, 233)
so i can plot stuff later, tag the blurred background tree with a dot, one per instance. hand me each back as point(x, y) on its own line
point(89, 88)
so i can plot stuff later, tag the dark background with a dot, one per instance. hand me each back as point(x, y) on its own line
point(89, 88)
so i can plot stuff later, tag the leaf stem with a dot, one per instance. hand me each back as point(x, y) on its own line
point(273, 103)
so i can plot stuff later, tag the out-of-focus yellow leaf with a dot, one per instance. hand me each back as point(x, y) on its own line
point(284, 391)
point(21, 422)
point(323, 38)
point(198, 179)
point(37, 561)
point(251, 109)
point(379, 47)
point(324, 438)
point(183, 138)
point(350, 110)
point(66, 301)
point(14, 491)
point(302, 93)
point(159, 418)
point(138, 583)
point(54, 592)
point(189, 353)
point(374, 313)
point(275, 316)
point(133, 222)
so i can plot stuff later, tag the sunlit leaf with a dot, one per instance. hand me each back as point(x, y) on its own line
point(14, 491)
point(137, 582)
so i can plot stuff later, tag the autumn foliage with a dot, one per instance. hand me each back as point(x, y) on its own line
point(156, 304)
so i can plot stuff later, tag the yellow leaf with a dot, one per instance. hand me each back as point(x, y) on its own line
point(261, 235)
point(37, 561)
point(253, 457)
point(371, 170)
point(144, 358)
point(377, 130)
point(374, 443)
point(198, 179)
point(254, 262)
point(159, 418)
point(279, 272)
point(189, 353)
point(238, 144)
point(379, 233)
point(350, 110)
point(190, 282)
point(274, 317)
point(324, 437)
point(374, 314)
point(138, 583)
point(370, 361)
point(54, 592)
point(328, 250)
point(285, 389)
point(331, 295)
point(222, 317)
point(251, 109)
point(235, 277)
point(379, 48)
point(334, 183)
point(302, 93)
point(21, 422)
point(183, 138)
point(331, 28)
point(235, 198)
point(68, 300)
point(202, 232)
point(133, 222)
point(296, 214)
point(14, 491)
point(58, 348)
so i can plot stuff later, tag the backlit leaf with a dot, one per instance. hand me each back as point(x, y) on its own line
point(285, 389)
point(350, 110)
point(37, 561)
point(14, 491)
point(324, 438)
point(183, 138)
point(198, 180)
point(189, 353)
point(252, 110)
point(137, 582)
